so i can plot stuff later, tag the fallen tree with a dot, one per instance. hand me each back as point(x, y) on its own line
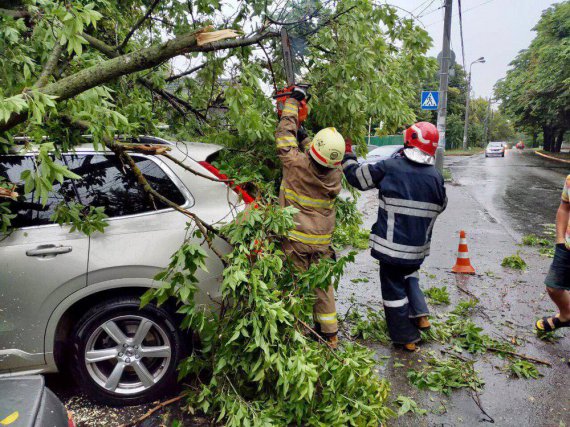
point(77, 68)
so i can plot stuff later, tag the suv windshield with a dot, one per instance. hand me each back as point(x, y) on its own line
point(495, 144)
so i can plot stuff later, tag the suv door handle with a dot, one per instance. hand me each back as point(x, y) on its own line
point(44, 250)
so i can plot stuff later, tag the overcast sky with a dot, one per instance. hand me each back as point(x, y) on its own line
point(495, 29)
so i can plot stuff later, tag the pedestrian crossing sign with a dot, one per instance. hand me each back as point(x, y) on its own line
point(430, 99)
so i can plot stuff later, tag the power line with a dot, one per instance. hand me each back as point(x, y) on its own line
point(433, 11)
point(426, 8)
point(476, 6)
point(464, 12)
point(419, 6)
point(461, 34)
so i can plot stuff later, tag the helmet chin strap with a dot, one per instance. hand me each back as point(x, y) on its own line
point(416, 155)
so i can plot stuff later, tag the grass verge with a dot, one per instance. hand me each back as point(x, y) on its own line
point(461, 152)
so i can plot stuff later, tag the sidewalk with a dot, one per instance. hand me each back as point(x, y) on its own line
point(511, 301)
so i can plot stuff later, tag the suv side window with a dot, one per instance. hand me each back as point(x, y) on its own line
point(29, 212)
point(103, 184)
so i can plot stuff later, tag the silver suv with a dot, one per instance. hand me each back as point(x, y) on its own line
point(68, 300)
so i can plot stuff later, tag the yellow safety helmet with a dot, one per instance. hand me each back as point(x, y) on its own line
point(327, 147)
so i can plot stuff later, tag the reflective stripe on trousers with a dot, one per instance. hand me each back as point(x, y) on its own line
point(403, 301)
point(324, 309)
point(326, 318)
point(310, 239)
point(306, 201)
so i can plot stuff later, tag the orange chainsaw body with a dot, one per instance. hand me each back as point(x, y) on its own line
point(282, 96)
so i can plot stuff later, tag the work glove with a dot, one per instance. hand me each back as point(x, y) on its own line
point(299, 93)
point(302, 134)
point(347, 145)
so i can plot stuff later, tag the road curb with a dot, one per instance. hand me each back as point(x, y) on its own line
point(552, 157)
point(465, 155)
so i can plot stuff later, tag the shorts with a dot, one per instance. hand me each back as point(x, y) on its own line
point(559, 274)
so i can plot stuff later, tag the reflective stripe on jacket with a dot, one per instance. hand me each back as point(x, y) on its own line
point(305, 186)
point(411, 195)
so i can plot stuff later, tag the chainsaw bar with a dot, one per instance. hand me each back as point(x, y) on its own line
point(287, 57)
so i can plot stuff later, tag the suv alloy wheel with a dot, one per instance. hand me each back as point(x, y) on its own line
point(126, 355)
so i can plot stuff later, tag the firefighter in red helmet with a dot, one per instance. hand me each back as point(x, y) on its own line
point(412, 195)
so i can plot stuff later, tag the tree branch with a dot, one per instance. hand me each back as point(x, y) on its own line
point(51, 63)
point(15, 13)
point(121, 151)
point(185, 73)
point(189, 169)
point(328, 21)
point(172, 99)
point(204, 228)
point(270, 64)
point(150, 9)
point(169, 97)
point(520, 356)
point(119, 66)
point(158, 407)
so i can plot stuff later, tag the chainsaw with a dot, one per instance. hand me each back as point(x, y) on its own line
point(282, 95)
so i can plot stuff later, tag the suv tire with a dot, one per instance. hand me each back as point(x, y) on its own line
point(114, 364)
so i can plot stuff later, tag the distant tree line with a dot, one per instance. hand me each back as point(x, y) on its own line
point(484, 124)
point(535, 94)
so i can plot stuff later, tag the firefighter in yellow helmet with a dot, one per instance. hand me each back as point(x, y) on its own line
point(311, 182)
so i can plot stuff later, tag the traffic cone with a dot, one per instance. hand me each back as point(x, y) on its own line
point(463, 264)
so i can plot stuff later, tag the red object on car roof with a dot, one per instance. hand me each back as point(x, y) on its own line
point(236, 188)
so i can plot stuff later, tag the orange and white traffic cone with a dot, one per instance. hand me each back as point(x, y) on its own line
point(463, 264)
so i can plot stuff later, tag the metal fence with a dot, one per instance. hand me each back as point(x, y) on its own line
point(385, 140)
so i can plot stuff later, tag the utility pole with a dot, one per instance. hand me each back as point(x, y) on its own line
point(443, 84)
point(487, 116)
point(468, 97)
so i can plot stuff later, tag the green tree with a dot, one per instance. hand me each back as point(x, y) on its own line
point(536, 91)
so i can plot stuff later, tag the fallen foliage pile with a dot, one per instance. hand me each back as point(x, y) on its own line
point(259, 363)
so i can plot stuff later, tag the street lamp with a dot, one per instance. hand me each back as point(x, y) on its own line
point(466, 127)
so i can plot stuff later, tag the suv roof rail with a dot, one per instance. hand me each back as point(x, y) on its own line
point(144, 139)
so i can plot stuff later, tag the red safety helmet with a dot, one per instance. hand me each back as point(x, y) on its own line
point(423, 136)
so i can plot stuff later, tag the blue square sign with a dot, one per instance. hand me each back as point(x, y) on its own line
point(430, 99)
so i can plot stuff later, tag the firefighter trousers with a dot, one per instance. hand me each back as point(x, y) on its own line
point(324, 309)
point(403, 301)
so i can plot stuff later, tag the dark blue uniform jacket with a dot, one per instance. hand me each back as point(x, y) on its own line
point(411, 195)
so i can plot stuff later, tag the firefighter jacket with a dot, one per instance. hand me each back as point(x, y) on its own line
point(305, 185)
point(411, 194)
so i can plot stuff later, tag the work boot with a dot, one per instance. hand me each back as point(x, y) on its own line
point(410, 347)
point(423, 323)
point(332, 342)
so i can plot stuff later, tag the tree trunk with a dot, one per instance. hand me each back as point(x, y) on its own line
point(559, 140)
point(534, 138)
point(143, 59)
point(548, 136)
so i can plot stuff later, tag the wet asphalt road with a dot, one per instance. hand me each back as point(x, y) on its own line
point(522, 190)
point(496, 200)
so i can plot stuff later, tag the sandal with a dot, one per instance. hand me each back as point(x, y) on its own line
point(549, 324)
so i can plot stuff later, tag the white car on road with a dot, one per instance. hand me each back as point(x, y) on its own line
point(495, 148)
